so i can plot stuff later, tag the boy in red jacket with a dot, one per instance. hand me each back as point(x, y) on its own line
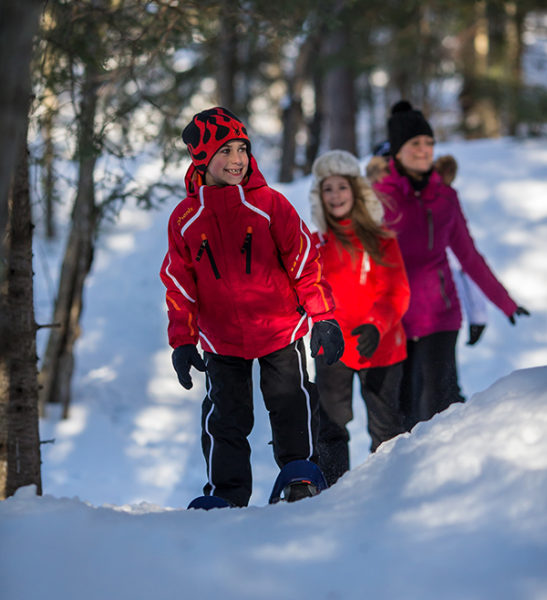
point(243, 279)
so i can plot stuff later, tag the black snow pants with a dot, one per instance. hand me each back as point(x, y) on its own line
point(380, 389)
point(430, 377)
point(227, 417)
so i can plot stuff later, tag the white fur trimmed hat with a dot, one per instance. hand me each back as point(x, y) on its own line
point(338, 162)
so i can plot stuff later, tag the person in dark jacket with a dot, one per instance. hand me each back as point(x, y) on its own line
point(365, 270)
point(243, 278)
point(427, 217)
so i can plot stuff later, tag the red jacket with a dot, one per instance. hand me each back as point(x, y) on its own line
point(367, 292)
point(241, 272)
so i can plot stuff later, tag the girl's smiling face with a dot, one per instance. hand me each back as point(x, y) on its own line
point(337, 196)
point(229, 164)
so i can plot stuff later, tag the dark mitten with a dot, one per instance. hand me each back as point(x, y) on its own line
point(368, 340)
point(475, 332)
point(328, 335)
point(519, 312)
point(183, 358)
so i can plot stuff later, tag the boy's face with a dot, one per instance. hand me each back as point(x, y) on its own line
point(229, 165)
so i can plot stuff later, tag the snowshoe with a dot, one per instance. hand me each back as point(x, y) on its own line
point(209, 502)
point(296, 480)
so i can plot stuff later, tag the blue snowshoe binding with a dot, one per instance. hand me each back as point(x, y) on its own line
point(296, 480)
point(209, 502)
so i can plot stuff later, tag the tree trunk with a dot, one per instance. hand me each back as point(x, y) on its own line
point(227, 57)
point(340, 109)
point(315, 123)
point(292, 112)
point(56, 373)
point(18, 24)
point(48, 180)
point(480, 117)
point(515, 16)
point(19, 435)
point(339, 91)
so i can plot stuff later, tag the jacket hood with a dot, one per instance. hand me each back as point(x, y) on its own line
point(254, 178)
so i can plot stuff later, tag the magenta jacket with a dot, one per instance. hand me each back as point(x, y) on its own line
point(427, 223)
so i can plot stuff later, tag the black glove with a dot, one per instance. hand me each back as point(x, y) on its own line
point(368, 340)
point(519, 312)
point(327, 334)
point(475, 332)
point(183, 358)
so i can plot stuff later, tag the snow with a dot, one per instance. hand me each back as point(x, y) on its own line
point(455, 510)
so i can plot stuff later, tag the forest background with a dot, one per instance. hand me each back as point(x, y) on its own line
point(96, 88)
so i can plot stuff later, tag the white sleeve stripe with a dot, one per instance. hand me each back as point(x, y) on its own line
point(306, 253)
point(213, 349)
point(293, 336)
point(177, 284)
point(251, 207)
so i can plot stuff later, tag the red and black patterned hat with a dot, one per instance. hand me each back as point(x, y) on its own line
point(208, 131)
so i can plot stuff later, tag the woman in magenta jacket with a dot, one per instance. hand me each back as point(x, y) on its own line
point(427, 217)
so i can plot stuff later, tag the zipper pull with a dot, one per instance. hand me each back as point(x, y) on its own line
point(203, 245)
point(247, 248)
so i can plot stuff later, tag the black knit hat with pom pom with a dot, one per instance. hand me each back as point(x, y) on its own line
point(405, 123)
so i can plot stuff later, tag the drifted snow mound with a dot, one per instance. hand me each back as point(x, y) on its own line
point(456, 509)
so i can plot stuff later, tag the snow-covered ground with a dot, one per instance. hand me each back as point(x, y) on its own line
point(455, 510)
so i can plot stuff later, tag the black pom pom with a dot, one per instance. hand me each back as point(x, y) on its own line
point(190, 134)
point(401, 106)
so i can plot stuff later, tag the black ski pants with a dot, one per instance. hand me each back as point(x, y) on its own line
point(227, 417)
point(430, 377)
point(380, 389)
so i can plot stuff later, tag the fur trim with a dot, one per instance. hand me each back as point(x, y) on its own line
point(339, 162)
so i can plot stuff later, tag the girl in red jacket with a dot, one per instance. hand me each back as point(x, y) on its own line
point(364, 268)
point(243, 279)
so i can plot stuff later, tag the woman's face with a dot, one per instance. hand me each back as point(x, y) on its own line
point(416, 154)
point(337, 196)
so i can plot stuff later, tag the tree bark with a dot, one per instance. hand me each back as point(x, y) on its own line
point(19, 434)
point(339, 91)
point(515, 16)
point(58, 363)
point(292, 111)
point(18, 24)
point(227, 57)
point(480, 115)
point(48, 179)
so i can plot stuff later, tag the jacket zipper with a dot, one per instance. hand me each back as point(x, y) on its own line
point(429, 229)
point(365, 268)
point(205, 246)
point(246, 248)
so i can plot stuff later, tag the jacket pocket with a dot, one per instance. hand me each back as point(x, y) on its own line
point(442, 281)
point(207, 248)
